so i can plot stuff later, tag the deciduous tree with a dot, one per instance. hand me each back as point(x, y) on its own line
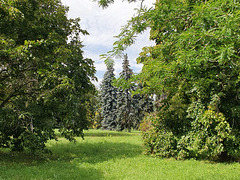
point(43, 74)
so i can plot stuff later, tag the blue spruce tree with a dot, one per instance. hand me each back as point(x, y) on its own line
point(130, 108)
point(108, 95)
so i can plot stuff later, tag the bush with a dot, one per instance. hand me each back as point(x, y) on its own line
point(158, 142)
point(146, 123)
point(210, 137)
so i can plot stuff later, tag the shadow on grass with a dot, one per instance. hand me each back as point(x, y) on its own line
point(95, 152)
point(68, 161)
point(86, 152)
point(23, 166)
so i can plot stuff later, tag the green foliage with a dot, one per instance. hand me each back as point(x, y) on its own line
point(94, 110)
point(43, 75)
point(195, 62)
point(207, 137)
point(158, 141)
point(146, 124)
point(196, 65)
point(125, 112)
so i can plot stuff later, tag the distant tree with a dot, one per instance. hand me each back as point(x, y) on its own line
point(143, 105)
point(108, 95)
point(124, 100)
point(130, 107)
point(94, 110)
point(44, 77)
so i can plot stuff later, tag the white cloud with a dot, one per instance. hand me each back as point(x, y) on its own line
point(100, 66)
point(103, 25)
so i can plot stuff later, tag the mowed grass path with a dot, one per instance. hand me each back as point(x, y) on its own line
point(107, 155)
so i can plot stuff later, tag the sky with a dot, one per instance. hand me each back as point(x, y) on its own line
point(103, 25)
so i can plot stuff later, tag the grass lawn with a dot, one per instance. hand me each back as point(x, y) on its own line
point(107, 155)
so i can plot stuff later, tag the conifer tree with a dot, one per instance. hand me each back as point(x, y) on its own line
point(108, 99)
point(130, 108)
point(124, 99)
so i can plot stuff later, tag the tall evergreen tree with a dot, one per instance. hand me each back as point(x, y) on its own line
point(124, 99)
point(130, 108)
point(108, 99)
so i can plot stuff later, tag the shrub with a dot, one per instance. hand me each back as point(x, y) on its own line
point(158, 142)
point(210, 137)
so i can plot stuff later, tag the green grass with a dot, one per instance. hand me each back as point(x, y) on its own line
point(107, 155)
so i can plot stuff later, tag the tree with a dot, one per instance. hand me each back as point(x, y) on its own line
point(194, 70)
point(196, 65)
point(130, 107)
point(108, 99)
point(125, 116)
point(43, 74)
point(94, 110)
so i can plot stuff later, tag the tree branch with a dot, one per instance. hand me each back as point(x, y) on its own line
point(13, 94)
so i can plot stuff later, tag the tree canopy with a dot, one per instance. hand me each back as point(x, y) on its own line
point(43, 74)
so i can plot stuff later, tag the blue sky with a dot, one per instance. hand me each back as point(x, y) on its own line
point(103, 25)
